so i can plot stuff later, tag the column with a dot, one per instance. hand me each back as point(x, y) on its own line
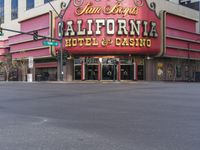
point(149, 69)
point(68, 70)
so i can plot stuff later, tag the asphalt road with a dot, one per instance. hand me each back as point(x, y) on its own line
point(112, 116)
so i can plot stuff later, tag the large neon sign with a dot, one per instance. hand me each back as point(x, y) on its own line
point(111, 26)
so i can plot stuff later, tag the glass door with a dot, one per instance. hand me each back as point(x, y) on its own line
point(77, 72)
point(109, 72)
point(91, 72)
point(140, 72)
point(127, 72)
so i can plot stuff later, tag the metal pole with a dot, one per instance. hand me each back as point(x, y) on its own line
point(60, 77)
point(60, 15)
point(53, 8)
point(61, 53)
point(61, 40)
point(31, 34)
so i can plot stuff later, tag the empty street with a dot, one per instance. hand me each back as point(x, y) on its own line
point(100, 116)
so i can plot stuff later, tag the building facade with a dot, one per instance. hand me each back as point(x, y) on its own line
point(28, 16)
point(194, 4)
point(107, 40)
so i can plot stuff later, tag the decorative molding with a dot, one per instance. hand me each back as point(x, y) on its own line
point(33, 57)
point(182, 48)
point(30, 49)
point(183, 39)
point(167, 56)
point(153, 6)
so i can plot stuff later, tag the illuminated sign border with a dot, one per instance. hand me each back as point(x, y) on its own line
point(107, 29)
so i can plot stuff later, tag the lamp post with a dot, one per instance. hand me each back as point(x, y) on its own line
point(60, 15)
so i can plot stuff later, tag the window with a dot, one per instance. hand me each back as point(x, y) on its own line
point(14, 9)
point(29, 4)
point(46, 1)
point(1, 11)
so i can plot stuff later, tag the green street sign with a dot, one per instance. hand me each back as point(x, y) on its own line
point(50, 43)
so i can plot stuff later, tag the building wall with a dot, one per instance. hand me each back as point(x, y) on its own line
point(181, 58)
point(21, 46)
point(23, 14)
point(41, 8)
point(177, 9)
point(181, 39)
point(3, 49)
point(174, 69)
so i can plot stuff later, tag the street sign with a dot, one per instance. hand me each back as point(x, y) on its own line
point(30, 62)
point(50, 43)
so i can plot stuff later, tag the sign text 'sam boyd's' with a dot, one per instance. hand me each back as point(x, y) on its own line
point(111, 26)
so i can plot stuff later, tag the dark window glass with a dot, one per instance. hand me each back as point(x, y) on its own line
point(140, 72)
point(77, 72)
point(109, 72)
point(127, 72)
point(30, 4)
point(91, 72)
point(178, 71)
point(46, 1)
point(14, 9)
point(1, 11)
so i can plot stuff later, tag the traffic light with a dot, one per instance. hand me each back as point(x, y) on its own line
point(1, 32)
point(35, 35)
point(64, 58)
point(65, 55)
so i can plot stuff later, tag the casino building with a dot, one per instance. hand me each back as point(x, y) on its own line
point(124, 40)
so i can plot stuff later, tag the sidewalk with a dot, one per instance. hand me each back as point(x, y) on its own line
point(75, 82)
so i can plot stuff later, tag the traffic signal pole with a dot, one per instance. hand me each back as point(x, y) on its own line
point(35, 35)
point(29, 33)
point(60, 15)
point(61, 55)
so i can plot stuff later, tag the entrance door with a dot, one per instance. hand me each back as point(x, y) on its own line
point(77, 72)
point(91, 72)
point(109, 72)
point(140, 72)
point(127, 72)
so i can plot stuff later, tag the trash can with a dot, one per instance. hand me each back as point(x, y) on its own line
point(29, 77)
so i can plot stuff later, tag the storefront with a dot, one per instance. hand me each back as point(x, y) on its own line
point(23, 47)
point(104, 68)
point(45, 71)
point(110, 41)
